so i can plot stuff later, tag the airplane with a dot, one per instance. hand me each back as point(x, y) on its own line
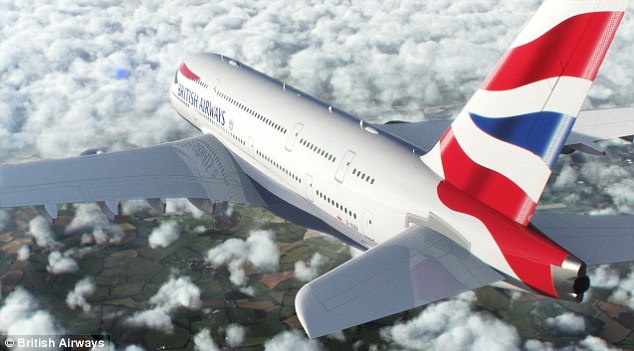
point(440, 208)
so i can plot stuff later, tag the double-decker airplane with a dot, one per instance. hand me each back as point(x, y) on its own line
point(441, 207)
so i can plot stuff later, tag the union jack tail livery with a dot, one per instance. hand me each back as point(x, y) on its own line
point(503, 145)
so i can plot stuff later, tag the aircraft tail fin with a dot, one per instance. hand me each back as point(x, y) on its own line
point(503, 145)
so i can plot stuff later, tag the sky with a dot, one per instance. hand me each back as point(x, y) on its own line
point(86, 74)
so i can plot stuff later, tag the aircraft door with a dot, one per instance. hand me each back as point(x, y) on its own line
point(251, 147)
point(309, 187)
point(293, 137)
point(344, 165)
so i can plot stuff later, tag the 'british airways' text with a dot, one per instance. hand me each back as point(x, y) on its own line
point(203, 105)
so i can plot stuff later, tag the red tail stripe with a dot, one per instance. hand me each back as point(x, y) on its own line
point(575, 48)
point(482, 183)
point(528, 253)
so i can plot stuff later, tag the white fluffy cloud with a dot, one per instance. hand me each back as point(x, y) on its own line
point(21, 314)
point(309, 272)
point(59, 263)
point(180, 206)
point(624, 292)
point(77, 297)
point(94, 225)
point(292, 340)
point(173, 294)
point(235, 334)
point(204, 342)
point(23, 253)
point(621, 284)
point(164, 235)
point(41, 231)
point(568, 323)
point(453, 325)
point(589, 343)
point(132, 348)
point(604, 277)
point(259, 250)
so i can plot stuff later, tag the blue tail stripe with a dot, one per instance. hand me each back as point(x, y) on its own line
point(543, 133)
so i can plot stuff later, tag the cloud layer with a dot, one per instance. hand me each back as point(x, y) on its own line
point(68, 87)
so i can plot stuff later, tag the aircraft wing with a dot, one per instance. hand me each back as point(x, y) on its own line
point(197, 168)
point(416, 267)
point(590, 126)
point(595, 240)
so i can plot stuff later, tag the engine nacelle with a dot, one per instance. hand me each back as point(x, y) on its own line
point(570, 280)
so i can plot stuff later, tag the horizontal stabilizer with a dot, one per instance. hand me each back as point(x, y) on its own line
point(416, 267)
point(601, 124)
point(595, 240)
point(590, 126)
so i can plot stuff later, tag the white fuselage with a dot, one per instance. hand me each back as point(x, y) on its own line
point(364, 184)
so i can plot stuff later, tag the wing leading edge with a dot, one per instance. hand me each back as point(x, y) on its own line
point(195, 168)
point(416, 267)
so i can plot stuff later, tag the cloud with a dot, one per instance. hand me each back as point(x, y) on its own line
point(156, 318)
point(204, 342)
point(593, 343)
point(41, 231)
point(624, 292)
point(61, 80)
point(132, 348)
point(589, 343)
point(173, 294)
point(97, 228)
point(21, 314)
point(77, 297)
point(354, 252)
point(133, 207)
point(23, 253)
point(309, 272)
point(235, 334)
point(608, 277)
point(164, 235)
point(177, 292)
point(568, 323)
point(453, 325)
point(292, 340)
point(259, 250)
point(59, 263)
point(604, 277)
point(182, 206)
